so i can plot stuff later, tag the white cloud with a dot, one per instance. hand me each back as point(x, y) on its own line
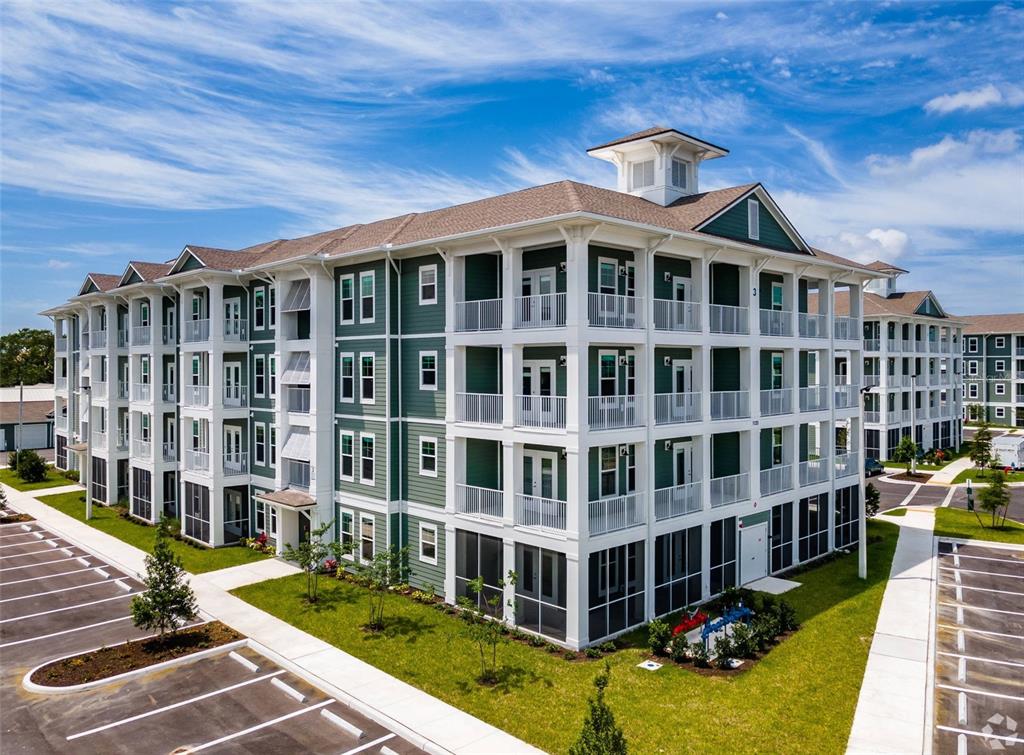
point(975, 99)
point(680, 103)
point(58, 264)
point(949, 152)
point(887, 244)
point(721, 16)
point(556, 163)
point(879, 64)
point(820, 153)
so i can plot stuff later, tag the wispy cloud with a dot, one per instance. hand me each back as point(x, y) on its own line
point(985, 96)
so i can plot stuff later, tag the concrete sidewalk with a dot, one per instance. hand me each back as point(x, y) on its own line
point(892, 710)
point(435, 725)
point(948, 473)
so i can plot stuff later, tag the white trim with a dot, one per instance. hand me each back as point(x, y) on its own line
point(432, 528)
point(341, 376)
point(373, 394)
point(422, 270)
point(428, 472)
point(257, 392)
point(341, 299)
point(352, 453)
point(753, 219)
point(372, 275)
point(972, 343)
point(972, 367)
point(373, 480)
point(999, 342)
point(352, 555)
point(1000, 390)
point(429, 353)
point(373, 539)
point(1000, 412)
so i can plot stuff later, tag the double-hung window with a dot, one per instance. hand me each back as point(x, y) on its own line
point(144, 427)
point(259, 307)
point(347, 304)
point(347, 373)
point(1000, 342)
point(367, 297)
point(679, 173)
point(261, 516)
point(273, 444)
point(1000, 389)
point(272, 369)
point(260, 443)
point(972, 344)
point(366, 458)
point(347, 528)
point(428, 456)
point(273, 306)
point(753, 219)
point(366, 527)
point(367, 394)
point(428, 543)
point(609, 471)
point(428, 370)
point(1000, 365)
point(346, 459)
point(260, 376)
point(428, 284)
point(642, 174)
point(777, 361)
point(777, 455)
point(972, 367)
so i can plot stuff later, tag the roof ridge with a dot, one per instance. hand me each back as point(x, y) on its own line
point(406, 219)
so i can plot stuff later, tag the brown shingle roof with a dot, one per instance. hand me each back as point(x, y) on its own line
point(149, 271)
point(884, 267)
point(901, 303)
point(294, 499)
point(105, 282)
point(35, 411)
point(983, 324)
point(649, 132)
point(223, 259)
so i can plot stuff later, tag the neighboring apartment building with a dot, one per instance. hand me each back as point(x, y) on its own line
point(912, 367)
point(994, 368)
point(631, 398)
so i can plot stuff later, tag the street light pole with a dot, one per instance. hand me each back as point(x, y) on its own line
point(862, 519)
point(913, 422)
point(87, 463)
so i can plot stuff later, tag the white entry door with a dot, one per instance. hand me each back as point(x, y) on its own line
point(232, 449)
point(540, 474)
point(537, 308)
point(232, 317)
point(682, 463)
point(681, 288)
point(232, 384)
point(538, 392)
point(753, 552)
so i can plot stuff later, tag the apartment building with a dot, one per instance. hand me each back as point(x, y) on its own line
point(912, 366)
point(994, 368)
point(633, 398)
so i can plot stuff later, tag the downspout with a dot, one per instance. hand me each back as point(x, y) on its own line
point(401, 506)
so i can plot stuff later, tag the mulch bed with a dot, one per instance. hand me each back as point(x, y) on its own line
point(12, 518)
point(713, 670)
point(107, 662)
point(919, 477)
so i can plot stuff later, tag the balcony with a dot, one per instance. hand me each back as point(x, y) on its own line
point(169, 451)
point(731, 489)
point(545, 514)
point(197, 331)
point(813, 398)
point(60, 343)
point(730, 404)
point(197, 461)
point(907, 345)
point(478, 315)
point(613, 514)
point(236, 396)
point(676, 315)
point(236, 462)
point(61, 383)
point(847, 464)
point(141, 392)
point(845, 395)
point(676, 501)
point(921, 346)
point(99, 389)
point(610, 412)
point(236, 330)
point(142, 335)
point(727, 319)
point(872, 416)
point(297, 474)
point(121, 442)
point(167, 334)
point(540, 311)
point(812, 326)
point(813, 471)
point(122, 389)
point(83, 341)
point(892, 344)
point(846, 328)
point(933, 346)
point(122, 339)
point(776, 401)
point(674, 408)
point(872, 344)
point(545, 412)
point(98, 339)
point(906, 415)
point(297, 397)
point(142, 449)
point(485, 503)
point(892, 417)
point(776, 479)
point(479, 408)
point(614, 311)
point(196, 395)
point(167, 394)
point(872, 381)
point(776, 322)
point(60, 422)
point(99, 438)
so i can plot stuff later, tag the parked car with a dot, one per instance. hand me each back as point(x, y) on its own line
point(872, 467)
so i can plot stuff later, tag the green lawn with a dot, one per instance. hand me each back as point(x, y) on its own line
point(53, 479)
point(972, 475)
point(799, 699)
point(964, 524)
point(195, 560)
point(901, 511)
point(921, 467)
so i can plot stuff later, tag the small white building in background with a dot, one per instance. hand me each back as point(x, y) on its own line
point(1008, 451)
point(36, 417)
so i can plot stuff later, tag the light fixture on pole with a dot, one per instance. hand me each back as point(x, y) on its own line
point(87, 461)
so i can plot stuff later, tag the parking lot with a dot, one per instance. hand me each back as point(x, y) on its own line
point(979, 649)
point(58, 600)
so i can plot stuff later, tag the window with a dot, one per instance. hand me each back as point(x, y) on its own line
point(273, 306)
point(428, 456)
point(723, 554)
point(1000, 389)
point(260, 443)
point(680, 169)
point(261, 516)
point(781, 534)
point(753, 219)
point(143, 370)
point(609, 471)
point(259, 305)
point(1000, 342)
point(813, 526)
point(272, 363)
point(346, 460)
point(144, 428)
point(972, 390)
point(273, 444)
point(846, 522)
point(367, 395)
point(616, 589)
point(1000, 365)
point(260, 376)
point(643, 174)
point(428, 370)
point(346, 294)
point(144, 314)
point(540, 590)
point(428, 284)
point(777, 296)
point(1000, 412)
point(347, 528)
point(366, 528)
point(972, 367)
point(479, 556)
point(607, 277)
point(972, 344)
point(428, 543)
point(197, 511)
point(608, 374)
point(366, 469)
point(777, 367)
point(677, 570)
point(777, 452)
point(346, 370)
point(367, 306)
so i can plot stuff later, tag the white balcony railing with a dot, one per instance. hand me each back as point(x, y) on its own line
point(730, 404)
point(481, 314)
point(614, 514)
point(872, 380)
point(142, 449)
point(236, 329)
point(776, 401)
point(298, 398)
point(906, 415)
point(727, 319)
point(122, 389)
point(236, 462)
point(142, 335)
point(676, 315)
point(168, 394)
point(169, 451)
point(121, 442)
point(480, 502)
point(872, 416)
point(61, 383)
point(547, 412)
point(122, 338)
point(776, 479)
point(99, 389)
point(480, 408)
point(731, 489)
point(61, 422)
point(167, 333)
point(907, 345)
point(813, 398)
point(197, 331)
point(196, 395)
point(540, 513)
point(813, 326)
point(614, 311)
point(236, 396)
point(673, 408)
point(98, 339)
point(846, 328)
point(846, 395)
point(197, 461)
point(847, 464)
point(609, 412)
point(813, 471)
point(540, 311)
point(61, 343)
point(142, 392)
point(892, 344)
point(678, 500)
point(920, 346)
point(776, 322)
point(99, 438)
point(872, 344)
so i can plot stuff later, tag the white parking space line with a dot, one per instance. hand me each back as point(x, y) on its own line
point(368, 745)
point(978, 658)
point(980, 608)
point(975, 571)
point(28, 541)
point(968, 732)
point(982, 692)
point(984, 558)
point(172, 706)
point(45, 576)
point(257, 727)
point(63, 631)
point(341, 723)
point(245, 662)
point(30, 553)
point(51, 592)
point(983, 631)
point(43, 563)
point(67, 608)
point(948, 498)
point(289, 690)
point(977, 589)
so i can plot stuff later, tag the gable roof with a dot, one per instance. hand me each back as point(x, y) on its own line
point(885, 267)
point(98, 282)
point(214, 259)
point(34, 411)
point(984, 324)
point(773, 210)
point(142, 272)
point(900, 303)
point(655, 131)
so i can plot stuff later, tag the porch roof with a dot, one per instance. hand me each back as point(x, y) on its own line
point(293, 499)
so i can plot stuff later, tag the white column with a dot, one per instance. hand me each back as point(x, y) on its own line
point(509, 465)
point(575, 599)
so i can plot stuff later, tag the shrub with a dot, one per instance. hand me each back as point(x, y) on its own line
point(31, 467)
point(592, 653)
point(872, 499)
point(766, 628)
point(600, 734)
point(743, 641)
point(552, 648)
point(679, 649)
point(724, 650)
point(658, 636)
point(70, 474)
point(787, 617)
point(536, 641)
point(168, 600)
point(608, 647)
point(700, 654)
point(569, 655)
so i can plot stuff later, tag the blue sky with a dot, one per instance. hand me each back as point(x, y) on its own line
point(129, 130)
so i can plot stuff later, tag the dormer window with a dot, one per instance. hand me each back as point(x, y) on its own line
point(753, 219)
point(643, 174)
point(680, 170)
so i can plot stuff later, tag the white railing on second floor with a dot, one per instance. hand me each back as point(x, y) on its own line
point(546, 412)
point(298, 398)
point(122, 389)
point(540, 513)
point(614, 514)
point(168, 394)
point(847, 464)
point(142, 449)
point(99, 438)
point(236, 395)
point(479, 314)
point(614, 311)
point(776, 322)
point(480, 408)
point(61, 422)
point(872, 416)
point(776, 479)
point(141, 392)
point(236, 462)
point(609, 412)
point(169, 451)
point(730, 404)
point(167, 333)
point(872, 380)
point(479, 502)
point(99, 389)
point(872, 344)
point(730, 489)
point(724, 318)
point(197, 461)
point(776, 401)
point(846, 395)
point(846, 328)
point(813, 471)
point(141, 335)
point(678, 500)
point(98, 339)
point(197, 331)
point(540, 311)
point(236, 329)
point(196, 395)
point(61, 383)
point(892, 344)
point(920, 346)
point(673, 408)
point(297, 474)
point(61, 343)
point(813, 398)
point(813, 325)
point(676, 315)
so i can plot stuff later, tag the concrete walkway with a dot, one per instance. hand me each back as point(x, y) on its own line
point(433, 724)
point(892, 709)
point(948, 473)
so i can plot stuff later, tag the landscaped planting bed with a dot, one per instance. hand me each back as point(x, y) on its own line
point(119, 659)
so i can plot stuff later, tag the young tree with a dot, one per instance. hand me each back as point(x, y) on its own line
point(981, 446)
point(872, 499)
point(995, 497)
point(29, 465)
point(378, 576)
point(485, 623)
point(906, 450)
point(309, 555)
point(600, 734)
point(26, 355)
point(168, 599)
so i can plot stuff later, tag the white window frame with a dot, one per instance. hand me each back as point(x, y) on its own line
point(144, 427)
point(601, 471)
point(258, 361)
point(680, 167)
point(427, 300)
point(427, 472)
point(372, 437)
point(753, 219)
point(342, 298)
point(972, 344)
point(644, 183)
point(259, 447)
point(432, 529)
point(259, 308)
point(1000, 389)
point(351, 455)
point(1000, 342)
point(261, 517)
point(272, 374)
point(1000, 412)
point(341, 377)
point(423, 371)
point(272, 297)
point(972, 390)
point(373, 537)
point(372, 276)
point(972, 367)
point(272, 443)
point(353, 554)
point(373, 363)
point(1000, 365)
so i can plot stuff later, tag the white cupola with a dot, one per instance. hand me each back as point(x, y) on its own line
point(659, 164)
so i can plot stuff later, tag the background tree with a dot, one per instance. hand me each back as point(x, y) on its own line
point(981, 446)
point(30, 466)
point(309, 555)
point(168, 599)
point(872, 499)
point(600, 734)
point(26, 355)
point(995, 497)
point(485, 623)
point(906, 450)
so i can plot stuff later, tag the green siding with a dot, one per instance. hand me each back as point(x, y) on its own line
point(725, 284)
point(725, 454)
point(483, 463)
point(421, 573)
point(267, 469)
point(191, 263)
point(732, 224)
point(357, 348)
point(764, 288)
point(359, 328)
point(380, 466)
point(664, 463)
point(539, 259)
point(619, 255)
point(415, 486)
point(266, 332)
point(483, 369)
point(416, 401)
point(593, 372)
point(663, 382)
point(264, 348)
point(725, 370)
point(559, 463)
point(673, 266)
point(416, 317)
point(483, 277)
point(594, 467)
point(133, 277)
point(548, 353)
point(751, 520)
